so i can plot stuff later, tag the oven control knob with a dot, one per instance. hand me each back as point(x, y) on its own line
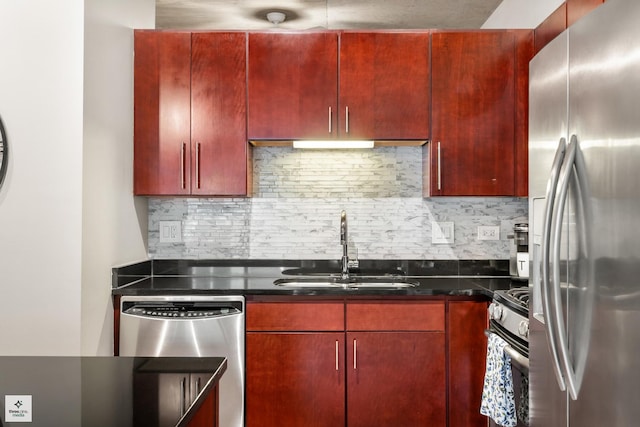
point(495, 311)
point(523, 328)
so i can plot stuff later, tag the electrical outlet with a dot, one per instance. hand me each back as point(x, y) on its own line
point(170, 232)
point(442, 232)
point(488, 232)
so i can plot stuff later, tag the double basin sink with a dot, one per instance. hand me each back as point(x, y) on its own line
point(311, 278)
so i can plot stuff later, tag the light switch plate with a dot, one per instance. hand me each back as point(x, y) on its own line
point(170, 232)
point(442, 232)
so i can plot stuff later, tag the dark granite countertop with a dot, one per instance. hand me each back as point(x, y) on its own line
point(101, 391)
point(256, 277)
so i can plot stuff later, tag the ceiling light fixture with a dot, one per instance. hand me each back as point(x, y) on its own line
point(331, 144)
point(276, 17)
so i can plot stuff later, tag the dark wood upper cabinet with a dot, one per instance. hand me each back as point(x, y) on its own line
point(162, 105)
point(329, 85)
point(384, 85)
point(189, 114)
point(292, 85)
point(472, 150)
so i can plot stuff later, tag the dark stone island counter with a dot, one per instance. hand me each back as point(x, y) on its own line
point(108, 391)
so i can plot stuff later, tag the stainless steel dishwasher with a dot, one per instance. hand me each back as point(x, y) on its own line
point(190, 326)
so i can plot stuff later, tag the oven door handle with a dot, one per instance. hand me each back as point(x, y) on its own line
point(521, 361)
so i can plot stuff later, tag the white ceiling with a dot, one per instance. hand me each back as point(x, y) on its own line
point(329, 14)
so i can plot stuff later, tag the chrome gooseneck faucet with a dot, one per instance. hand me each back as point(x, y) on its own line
point(343, 241)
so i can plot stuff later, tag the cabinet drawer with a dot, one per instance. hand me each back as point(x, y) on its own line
point(297, 316)
point(395, 316)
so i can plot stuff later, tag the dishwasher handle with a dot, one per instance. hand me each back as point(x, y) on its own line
point(182, 310)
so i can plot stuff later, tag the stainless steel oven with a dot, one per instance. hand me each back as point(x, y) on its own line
point(509, 319)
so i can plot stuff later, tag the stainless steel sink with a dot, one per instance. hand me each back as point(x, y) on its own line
point(352, 283)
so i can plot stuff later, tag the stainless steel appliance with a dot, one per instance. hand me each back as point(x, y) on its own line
point(190, 326)
point(509, 319)
point(584, 205)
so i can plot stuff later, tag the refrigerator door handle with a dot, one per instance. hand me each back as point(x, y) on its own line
point(548, 310)
point(571, 166)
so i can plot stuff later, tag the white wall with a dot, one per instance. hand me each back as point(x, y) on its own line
point(521, 13)
point(43, 260)
point(41, 200)
point(114, 223)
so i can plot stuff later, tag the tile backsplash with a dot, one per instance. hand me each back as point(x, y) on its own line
point(295, 211)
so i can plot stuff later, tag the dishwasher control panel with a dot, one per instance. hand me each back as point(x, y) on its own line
point(184, 310)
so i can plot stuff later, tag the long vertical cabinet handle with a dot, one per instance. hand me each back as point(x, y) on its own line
point(346, 119)
point(573, 166)
point(337, 356)
point(198, 165)
point(439, 169)
point(183, 156)
point(355, 354)
point(549, 325)
point(183, 396)
point(198, 385)
point(330, 120)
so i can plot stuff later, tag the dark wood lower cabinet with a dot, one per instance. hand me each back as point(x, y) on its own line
point(394, 363)
point(295, 379)
point(396, 379)
point(467, 321)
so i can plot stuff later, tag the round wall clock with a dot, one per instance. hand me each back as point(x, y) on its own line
point(4, 153)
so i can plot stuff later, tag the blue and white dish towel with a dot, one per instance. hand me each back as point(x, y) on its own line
point(498, 400)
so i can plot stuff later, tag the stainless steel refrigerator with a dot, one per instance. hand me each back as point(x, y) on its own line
point(584, 223)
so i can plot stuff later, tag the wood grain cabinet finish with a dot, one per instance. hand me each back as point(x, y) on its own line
point(295, 364)
point(390, 368)
point(466, 323)
point(384, 85)
point(396, 364)
point(473, 135)
point(348, 85)
point(189, 114)
point(292, 85)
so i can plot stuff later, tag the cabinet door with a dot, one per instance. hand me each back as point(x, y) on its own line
point(384, 85)
point(473, 111)
point(218, 114)
point(467, 357)
point(162, 103)
point(295, 379)
point(292, 80)
point(396, 379)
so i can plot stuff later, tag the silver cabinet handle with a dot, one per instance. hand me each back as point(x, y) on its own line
point(547, 308)
point(330, 120)
point(197, 164)
point(183, 396)
point(439, 169)
point(355, 354)
point(182, 168)
point(337, 359)
point(198, 384)
point(346, 122)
